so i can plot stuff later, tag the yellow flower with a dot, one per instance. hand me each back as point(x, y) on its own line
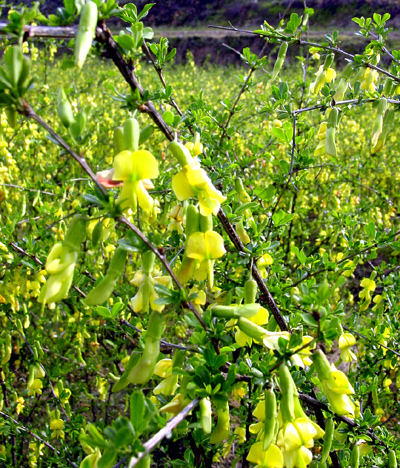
point(263, 262)
point(347, 340)
point(163, 368)
point(193, 181)
point(240, 432)
point(200, 300)
point(57, 425)
point(302, 358)
point(147, 294)
point(35, 388)
point(335, 385)
point(20, 405)
point(176, 216)
point(239, 390)
point(167, 386)
point(368, 286)
point(271, 458)
point(322, 77)
point(205, 247)
point(134, 169)
point(295, 439)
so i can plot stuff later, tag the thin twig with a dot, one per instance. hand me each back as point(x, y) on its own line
point(162, 79)
point(27, 189)
point(311, 44)
point(293, 153)
point(242, 90)
point(152, 443)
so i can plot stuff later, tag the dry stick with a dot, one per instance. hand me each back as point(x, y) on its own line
point(384, 49)
point(104, 36)
point(341, 103)
point(163, 343)
point(265, 294)
point(23, 428)
point(152, 443)
point(292, 153)
point(370, 341)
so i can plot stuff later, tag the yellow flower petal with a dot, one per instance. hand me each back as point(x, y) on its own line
point(163, 368)
point(144, 199)
point(181, 187)
point(242, 339)
point(330, 75)
point(259, 412)
point(123, 166)
point(196, 246)
point(145, 165)
point(214, 245)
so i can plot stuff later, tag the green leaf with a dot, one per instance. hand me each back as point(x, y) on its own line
point(279, 134)
point(280, 218)
point(148, 33)
point(126, 42)
point(371, 230)
point(103, 312)
point(123, 437)
point(70, 6)
point(145, 11)
point(246, 206)
point(108, 458)
point(299, 254)
point(137, 410)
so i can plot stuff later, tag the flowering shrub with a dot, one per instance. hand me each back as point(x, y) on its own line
point(201, 285)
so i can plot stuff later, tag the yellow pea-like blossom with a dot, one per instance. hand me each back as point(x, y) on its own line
point(57, 426)
point(205, 247)
point(335, 385)
point(303, 357)
point(134, 169)
point(193, 181)
point(263, 263)
point(368, 286)
point(346, 341)
point(323, 75)
point(271, 458)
